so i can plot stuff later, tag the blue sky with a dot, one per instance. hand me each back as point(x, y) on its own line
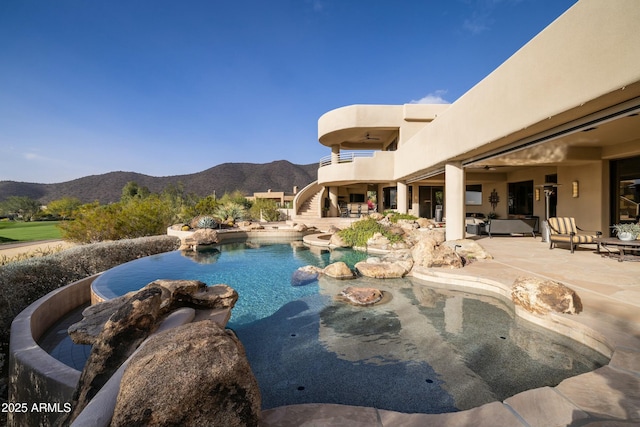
point(176, 87)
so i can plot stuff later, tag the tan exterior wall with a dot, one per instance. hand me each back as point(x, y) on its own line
point(590, 209)
point(585, 62)
point(378, 168)
point(553, 78)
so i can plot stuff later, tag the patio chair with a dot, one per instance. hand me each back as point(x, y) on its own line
point(564, 230)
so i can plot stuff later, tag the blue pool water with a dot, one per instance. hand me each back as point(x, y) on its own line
point(246, 267)
point(429, 349)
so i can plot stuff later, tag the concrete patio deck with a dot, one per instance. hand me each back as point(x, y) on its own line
point(609, 396)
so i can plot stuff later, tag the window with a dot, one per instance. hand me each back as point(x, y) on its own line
point(521, 198)
point(473, 195)
point(625, 190)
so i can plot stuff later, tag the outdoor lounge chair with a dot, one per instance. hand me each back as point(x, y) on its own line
point(564, 230)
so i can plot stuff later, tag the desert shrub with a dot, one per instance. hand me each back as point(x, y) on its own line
point(136, 217)
point(23, 282)
point(395, 216)
point(268, 208)
point(40, 252)
point(230, 212)
point(235, 197)
point(205, 206)
point(361, 231)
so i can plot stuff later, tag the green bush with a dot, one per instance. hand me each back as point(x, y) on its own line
point(395, 216)
point(136, 217)
point(361, 231)
point(268, 209)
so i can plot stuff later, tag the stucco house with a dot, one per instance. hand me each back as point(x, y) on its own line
point(561, 114)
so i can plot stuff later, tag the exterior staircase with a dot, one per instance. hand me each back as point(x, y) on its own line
point(308, 209)
point(311, 208)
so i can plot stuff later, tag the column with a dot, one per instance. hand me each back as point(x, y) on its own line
point(335, 154)
point(454, 200)
point(402, 197)
point(415, 202)
point(333, 201)
point(380, 197)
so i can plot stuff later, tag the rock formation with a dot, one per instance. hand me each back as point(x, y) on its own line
point(192, 375)
point(394, 265)
point(361, 296)
point(116, 328)
point(123, 332)
point(429, 252)
point(200, 239)
point(173, 294)
point(339, 270)
point(337, 241)
point(305, 275)
point(543, 296)
point(468, 249)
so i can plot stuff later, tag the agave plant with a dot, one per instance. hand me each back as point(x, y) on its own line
point(207, 222)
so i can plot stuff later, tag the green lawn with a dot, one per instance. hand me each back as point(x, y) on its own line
point(15, 231)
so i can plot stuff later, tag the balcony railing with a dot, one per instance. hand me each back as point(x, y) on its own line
point(345, 157)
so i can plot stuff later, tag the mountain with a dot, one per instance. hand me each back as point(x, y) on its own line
point(248, 178)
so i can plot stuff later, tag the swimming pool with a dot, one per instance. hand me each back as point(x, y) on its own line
point(430, 349)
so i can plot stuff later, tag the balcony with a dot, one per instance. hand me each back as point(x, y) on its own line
point(359, 166)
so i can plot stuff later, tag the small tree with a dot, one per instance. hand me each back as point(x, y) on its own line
point(206, 205)
point(63, 208)
point(236, 197)
point(22, 207)
point(132, 190)
point(265, 208)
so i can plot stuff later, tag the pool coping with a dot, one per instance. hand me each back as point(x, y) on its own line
point(560, 405)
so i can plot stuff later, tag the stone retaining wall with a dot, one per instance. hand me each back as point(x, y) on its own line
point(35, 377)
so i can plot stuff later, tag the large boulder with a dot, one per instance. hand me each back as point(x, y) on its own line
point(408, 224)
point(305, 275)
point(378, 241)
point(468, 249)
point(428, 253)
point(361, 296)
point(300, 227)
point(337, 241)
point(172, 293)
point(204, 236)
point(389, 267)
point(543, 296)
point(122, 334)
point(193, 375)
point(338, 270)
point(425, 223)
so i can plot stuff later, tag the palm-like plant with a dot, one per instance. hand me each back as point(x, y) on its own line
point(230, 212)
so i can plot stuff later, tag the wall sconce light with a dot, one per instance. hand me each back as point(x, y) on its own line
point(575, 189)
point(537, 194)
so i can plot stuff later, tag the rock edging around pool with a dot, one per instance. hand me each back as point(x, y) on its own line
point(35, 366)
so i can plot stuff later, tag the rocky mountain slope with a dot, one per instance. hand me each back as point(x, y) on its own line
point(248, 178)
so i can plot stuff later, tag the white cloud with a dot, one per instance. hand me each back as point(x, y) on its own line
point(478, 23)
point(432, 98)
point(31, 156)
point(318, 5)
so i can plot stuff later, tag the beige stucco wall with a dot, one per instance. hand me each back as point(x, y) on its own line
point(590, 51)
point(590, 209)
point(355, 117)
point(378, 168)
